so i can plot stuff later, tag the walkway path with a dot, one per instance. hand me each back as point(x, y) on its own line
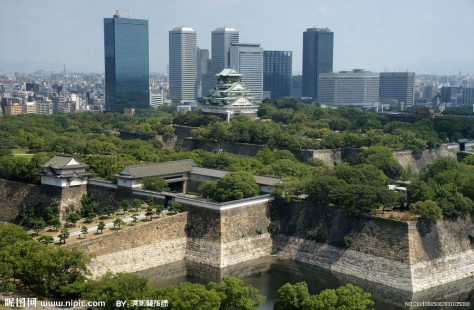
point(109, 225)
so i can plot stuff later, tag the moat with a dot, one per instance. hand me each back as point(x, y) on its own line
point(268, 274)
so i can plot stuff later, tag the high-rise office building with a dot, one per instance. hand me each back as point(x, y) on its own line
point(296, 86)
point(126, 64)
point(317, 58)
point(398, 86)
point(221, 40)
point(349, 88)
point(182, 64)
point(468, 95)
point(277, 68)
point(247, 58)
point(201, 71)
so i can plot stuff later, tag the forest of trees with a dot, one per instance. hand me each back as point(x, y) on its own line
point(360, 187)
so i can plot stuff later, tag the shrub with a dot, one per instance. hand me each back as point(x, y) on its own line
point(274, 227)
point(428, 210)
point(347, 241)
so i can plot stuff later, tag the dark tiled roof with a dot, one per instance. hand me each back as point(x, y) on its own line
point(61, 162)
point(216, 173)
point(157, 169)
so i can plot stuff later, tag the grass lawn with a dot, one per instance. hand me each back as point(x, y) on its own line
point(22, 153)
point(19, 151)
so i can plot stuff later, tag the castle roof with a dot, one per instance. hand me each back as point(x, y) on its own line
point(63, 162)
point(229, 72)
point(157, 169)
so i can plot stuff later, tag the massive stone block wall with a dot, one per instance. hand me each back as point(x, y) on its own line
point(222, 238)
point(410, 256)
point(156, 243)
point(14, 194)
point(243, 149)
point(244, 233)
point(418, 162)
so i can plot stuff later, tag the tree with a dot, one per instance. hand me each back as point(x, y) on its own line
point(38, 226)
point(73, 218)
point(355, 199)
point(149, 213)
point(189, 296)
point(292, 297)
point(318, 189)
point(235, 296)
point(11, 233)
point(382, 158)
point(207, 188)
point(295, 297)
point(64, 235)
point(175, 207)
point(159, 209)
point(118, 222)
point(125, 205)
point(55, 222)
point(428, 210)
point(108, 210)
point(45, 239)
point(120, 286)
point(84, 231)
point(101, 226)
point(236, 185)
point(149, 200)
point(155, 184)
point(137, 204)
point(134, 217)
point(90, 217)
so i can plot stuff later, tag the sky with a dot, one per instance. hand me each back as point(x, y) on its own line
point(424, 36)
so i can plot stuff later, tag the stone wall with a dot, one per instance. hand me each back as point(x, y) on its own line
point(418, 162)
point(244, 149)
point(156, 243)
point(408, 255)
point(14, 194)
point(222, 238)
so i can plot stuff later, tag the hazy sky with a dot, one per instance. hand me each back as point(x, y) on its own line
point(433, 36)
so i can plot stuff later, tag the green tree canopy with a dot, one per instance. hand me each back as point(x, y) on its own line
point(155, 184)
point(235, 185)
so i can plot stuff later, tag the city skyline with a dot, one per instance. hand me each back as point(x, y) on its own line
point(388, 36)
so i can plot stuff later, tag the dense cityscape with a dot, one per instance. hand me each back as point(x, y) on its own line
point(242, 177)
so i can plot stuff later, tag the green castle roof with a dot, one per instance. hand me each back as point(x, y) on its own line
point(229, 72)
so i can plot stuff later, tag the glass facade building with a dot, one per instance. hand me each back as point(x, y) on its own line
point(247, 58)
point(318, 45)
point(277, 73)
point(222, 38)
point(126, 64)
point(183, 64)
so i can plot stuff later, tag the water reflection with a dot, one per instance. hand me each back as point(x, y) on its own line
point(268, 274)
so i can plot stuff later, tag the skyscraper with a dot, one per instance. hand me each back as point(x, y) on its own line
point(317, 58)
point(399, 86)
point(182, 64)
point(277, 73)
point(247, 58)
point(126, 64)
point(201, 72)
point(221, 41)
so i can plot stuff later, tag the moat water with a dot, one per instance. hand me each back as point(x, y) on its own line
point(269, 274)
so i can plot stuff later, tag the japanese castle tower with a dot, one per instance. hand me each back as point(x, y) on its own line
point(230, 97)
